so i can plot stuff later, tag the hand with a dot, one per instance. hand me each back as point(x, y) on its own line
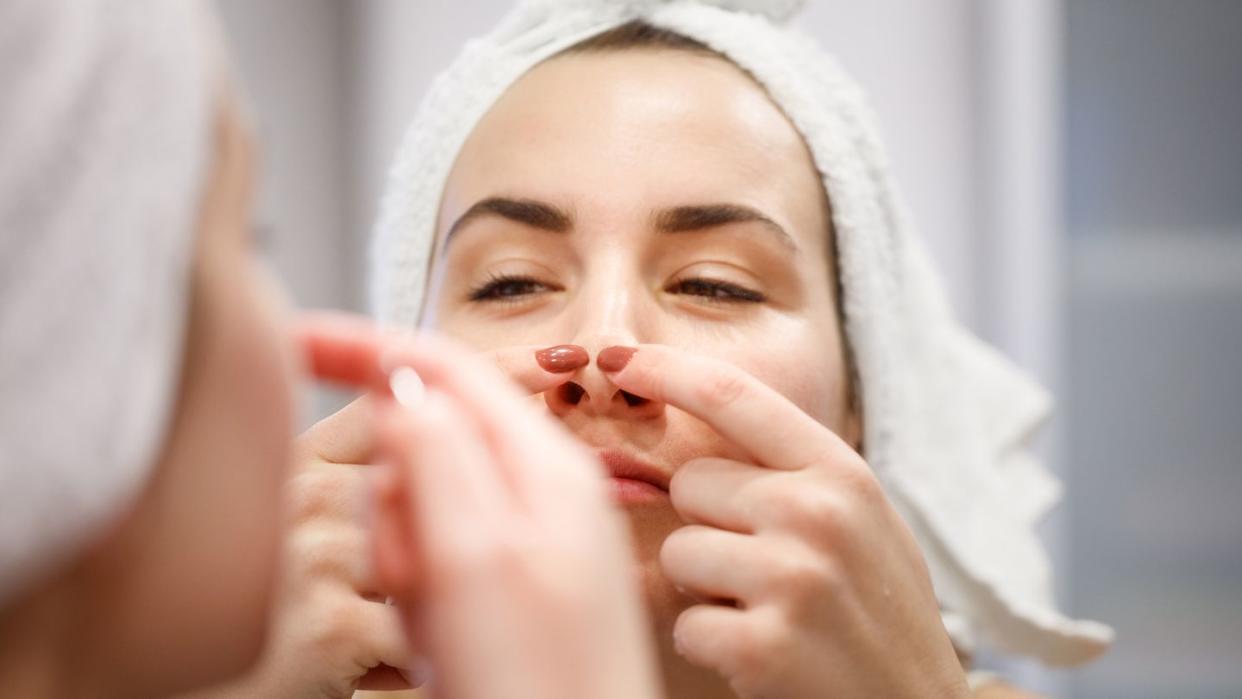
point(811, 583)
point(332, 633)
point(494, 535)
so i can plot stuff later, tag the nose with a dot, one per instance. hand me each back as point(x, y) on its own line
point(610, 321)
point(590, 393)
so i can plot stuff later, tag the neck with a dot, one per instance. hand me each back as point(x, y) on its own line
point(41, 649)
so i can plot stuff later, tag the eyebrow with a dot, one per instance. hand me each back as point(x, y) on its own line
point(679, 219)
point(685, 219)
point(530, 212)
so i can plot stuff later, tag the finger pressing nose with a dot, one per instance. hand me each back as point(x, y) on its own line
point(589, 390)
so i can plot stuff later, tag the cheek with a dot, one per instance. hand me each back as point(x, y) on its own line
point(258, 370)
point(798, 361)
point(265, 381)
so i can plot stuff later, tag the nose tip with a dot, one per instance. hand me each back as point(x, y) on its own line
point(589, 391)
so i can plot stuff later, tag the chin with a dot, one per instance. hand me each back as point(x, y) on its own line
point(650, 524)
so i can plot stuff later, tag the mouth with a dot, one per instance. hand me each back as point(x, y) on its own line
point(633, 481)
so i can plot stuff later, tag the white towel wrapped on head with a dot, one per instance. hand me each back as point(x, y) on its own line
point(105, 125)
point(947, 420)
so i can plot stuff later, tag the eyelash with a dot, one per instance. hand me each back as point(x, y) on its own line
point(511, 288)
point(500, 288)
point(716, 291)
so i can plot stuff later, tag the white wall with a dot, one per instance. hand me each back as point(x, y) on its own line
point(917, 62)
point(1154, 178)
point(289, 58)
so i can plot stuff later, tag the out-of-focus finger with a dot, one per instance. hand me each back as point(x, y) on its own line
point(539, 458)
point(341, 348)
point(394, 552)
point(451, 478)
point(359, 352)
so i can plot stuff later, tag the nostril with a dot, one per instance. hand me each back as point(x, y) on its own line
point(632, 400)
point(570, 393)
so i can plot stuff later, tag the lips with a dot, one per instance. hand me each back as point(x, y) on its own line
point(633, 481)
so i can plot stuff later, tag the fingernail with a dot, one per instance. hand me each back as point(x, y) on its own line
point(562, 358)
point(614, 359)
point(406, 386)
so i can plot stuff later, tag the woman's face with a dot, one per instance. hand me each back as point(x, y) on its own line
point(644, 196)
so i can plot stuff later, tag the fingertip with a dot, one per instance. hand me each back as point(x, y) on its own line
point(339, 348)
point(562, 359)
point(390, 534)
point(612, 360)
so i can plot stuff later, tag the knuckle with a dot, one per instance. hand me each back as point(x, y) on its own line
point(760, 647)
point(860, 481)
point(331, 627)
point(819, 513)
point(314, 493)
point(723, 389)
point(802, 574)
point(323, 553)
point(809, 509)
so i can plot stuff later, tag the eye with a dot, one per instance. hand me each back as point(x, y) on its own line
point(716, 291)
point(508, 288)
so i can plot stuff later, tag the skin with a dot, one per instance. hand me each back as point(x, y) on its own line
point(759, 568)
point(473, 489)
point(612, 140)
point(791, 542)
point(637, 140)
point(178, 595)
point(138, 592)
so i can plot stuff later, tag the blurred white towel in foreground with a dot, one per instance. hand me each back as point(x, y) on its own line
point(104, 130)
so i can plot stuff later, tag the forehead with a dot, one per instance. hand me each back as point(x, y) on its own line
point(650, 127)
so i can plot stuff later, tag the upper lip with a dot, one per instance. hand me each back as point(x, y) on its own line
point(623, 465)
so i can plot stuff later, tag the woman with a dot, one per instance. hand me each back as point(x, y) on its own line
point(693, 198)
point(146, 393)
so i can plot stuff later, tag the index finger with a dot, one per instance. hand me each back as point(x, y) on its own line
point(353, 351)
point(743, 409)
point(350, 350)
point(342, 349)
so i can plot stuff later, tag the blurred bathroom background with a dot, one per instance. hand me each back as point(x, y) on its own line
point(1076, 166)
